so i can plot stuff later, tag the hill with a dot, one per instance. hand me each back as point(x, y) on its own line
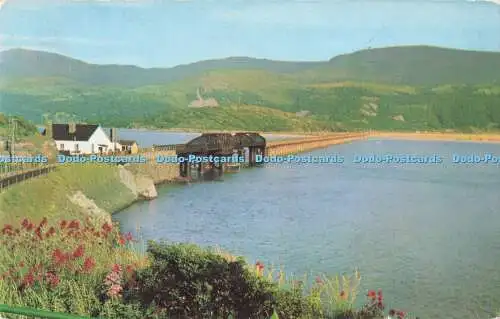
point(417, 65)
point(413, 65)
point(20, 63)
point(399, 88)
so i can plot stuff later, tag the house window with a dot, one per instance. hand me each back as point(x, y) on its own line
point(61, 146)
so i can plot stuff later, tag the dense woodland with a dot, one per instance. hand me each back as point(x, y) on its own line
point(385, 89)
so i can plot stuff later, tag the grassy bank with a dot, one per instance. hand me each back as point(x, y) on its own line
point(49, 195)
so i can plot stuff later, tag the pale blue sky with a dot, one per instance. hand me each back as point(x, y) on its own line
point(167, 33)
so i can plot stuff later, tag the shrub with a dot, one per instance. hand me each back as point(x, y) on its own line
point(90, 269)
point(188, 281)
point(60, 267)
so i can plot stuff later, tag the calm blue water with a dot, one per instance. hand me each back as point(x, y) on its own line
point(428, 235)
point(148, 138)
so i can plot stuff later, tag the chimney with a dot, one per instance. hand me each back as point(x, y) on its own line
point(112, 135)
point(72, 128)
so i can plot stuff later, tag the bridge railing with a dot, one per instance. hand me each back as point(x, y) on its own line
point(19, 176)
point(165, 147)
point(13, 168)
point(314, 140)
point(37, 313)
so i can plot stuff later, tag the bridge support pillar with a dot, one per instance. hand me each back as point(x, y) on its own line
point(251, 156)
point(260, 151)
point(200, 171)
point(181, 169)
point(220, 168)
point(185, 169)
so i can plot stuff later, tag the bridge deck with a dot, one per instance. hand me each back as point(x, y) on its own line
point(220, 143)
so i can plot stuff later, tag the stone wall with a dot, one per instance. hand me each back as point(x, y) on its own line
point(160, 173)
point(310, 143)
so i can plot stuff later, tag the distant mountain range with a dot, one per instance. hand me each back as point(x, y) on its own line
point(27, 63)
point(403, 88)
point(414, 65)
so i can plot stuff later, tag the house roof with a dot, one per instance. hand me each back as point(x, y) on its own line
point(60, 132)
point(127, 142)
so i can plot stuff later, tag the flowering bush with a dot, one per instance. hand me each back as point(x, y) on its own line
point(59, 267)
point(89, 269)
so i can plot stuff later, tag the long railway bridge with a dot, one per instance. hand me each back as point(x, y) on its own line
point(243, 145)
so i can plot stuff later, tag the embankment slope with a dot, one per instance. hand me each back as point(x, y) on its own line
point(73, 191)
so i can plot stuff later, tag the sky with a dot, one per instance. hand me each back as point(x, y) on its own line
point(165, 33)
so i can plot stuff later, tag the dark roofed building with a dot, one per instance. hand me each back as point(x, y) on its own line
point(82, 139)
point(73, 132)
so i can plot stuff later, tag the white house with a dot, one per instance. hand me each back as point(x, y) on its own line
point(83, 139)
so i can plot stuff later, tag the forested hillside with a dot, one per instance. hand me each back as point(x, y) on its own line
point(400, 88)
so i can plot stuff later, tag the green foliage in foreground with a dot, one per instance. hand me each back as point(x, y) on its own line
point(90, 269)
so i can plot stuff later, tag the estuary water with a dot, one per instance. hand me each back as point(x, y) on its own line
point(428, 235)
point(147, 138)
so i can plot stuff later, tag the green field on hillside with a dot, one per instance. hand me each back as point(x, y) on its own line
point(402, 88)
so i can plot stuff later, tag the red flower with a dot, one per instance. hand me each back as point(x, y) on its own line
point(372, 295)
point(319, 281)
point(43, 223)
point(30, 226)
point(79, 251)
point(52, 279)
point(7, 230)
point(63, 224)
point(107, 228)
point(29, 279)
point(117, 268)
point(122, 241)
point(128, 236)
point(38, 233)
point(58, 257)
point(401, 314)
point(51, 232)
point(25, 223)
point(75, 224)
point(129, 269)
point(115, 290)
point(88, 264)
